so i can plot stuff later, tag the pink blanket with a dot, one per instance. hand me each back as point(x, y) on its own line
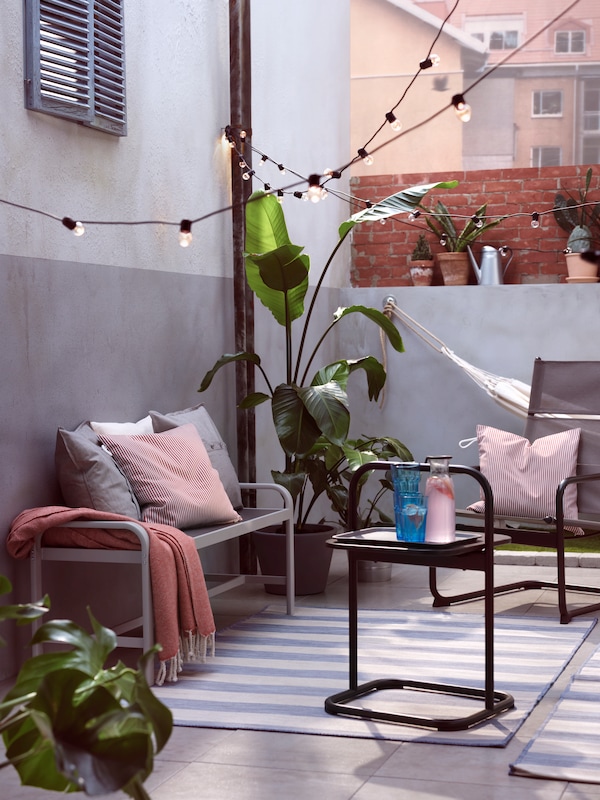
point(183, 619)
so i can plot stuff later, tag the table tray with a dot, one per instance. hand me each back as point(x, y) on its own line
point(387, 538)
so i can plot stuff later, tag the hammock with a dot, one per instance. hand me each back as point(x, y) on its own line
point(510, 393)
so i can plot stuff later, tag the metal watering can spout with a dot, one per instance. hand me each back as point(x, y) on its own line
point(490, 273)
point(474, 264)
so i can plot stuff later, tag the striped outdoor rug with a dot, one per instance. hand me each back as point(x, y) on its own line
point(273, 672)
point(567, 746)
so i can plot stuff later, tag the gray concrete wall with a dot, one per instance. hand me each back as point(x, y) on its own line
point(430, 403)
point(105, 343)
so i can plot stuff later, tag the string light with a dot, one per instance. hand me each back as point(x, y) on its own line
point(367, 159)
point(395, 123)
point(477, 221)
point(315, 190)
point(432, 60)
point(462, 108)
point(185, 233)
point(76, 227)
point(443, 240)
point(414, 215)
point(280, 195)
point(263, 160)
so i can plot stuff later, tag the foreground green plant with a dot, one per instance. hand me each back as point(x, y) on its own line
point(309, 407)
point(69, 723)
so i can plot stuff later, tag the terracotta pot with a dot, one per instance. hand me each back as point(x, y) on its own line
point(421, 272)
point(455, 268)
point(578, 267)
point(312, 557)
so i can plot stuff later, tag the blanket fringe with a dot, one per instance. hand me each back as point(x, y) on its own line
point(193, 647)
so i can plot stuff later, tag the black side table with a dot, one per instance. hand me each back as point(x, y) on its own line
point(467, 553)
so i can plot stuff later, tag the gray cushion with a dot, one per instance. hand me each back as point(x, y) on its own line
point(215, 446)
point(88, 475)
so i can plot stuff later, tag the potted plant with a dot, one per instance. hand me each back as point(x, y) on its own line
point(575, 215)
point(307, 405)
point(71, 724)
point(454, 262)
point(421, 263)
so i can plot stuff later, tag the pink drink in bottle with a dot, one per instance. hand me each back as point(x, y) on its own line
point(440, 525)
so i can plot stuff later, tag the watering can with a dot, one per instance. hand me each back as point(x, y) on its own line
point(490, 273)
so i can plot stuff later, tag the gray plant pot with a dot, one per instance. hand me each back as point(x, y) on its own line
point(311, 554)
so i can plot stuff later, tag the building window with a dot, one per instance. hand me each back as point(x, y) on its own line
point(504, 40)
point(591, 106)
point(569, 42)
point(545, 157)
point(75, 61)
point(547, 104)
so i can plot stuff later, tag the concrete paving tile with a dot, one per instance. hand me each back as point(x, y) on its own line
point(219, 781)
point(297, 752)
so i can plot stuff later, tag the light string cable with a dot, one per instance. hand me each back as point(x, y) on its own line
point(77, 226)
point(390, 117)
point(475, 83)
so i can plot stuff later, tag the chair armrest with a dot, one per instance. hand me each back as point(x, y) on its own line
point(275, 487)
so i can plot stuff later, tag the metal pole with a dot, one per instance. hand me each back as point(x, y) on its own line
point(240, 88)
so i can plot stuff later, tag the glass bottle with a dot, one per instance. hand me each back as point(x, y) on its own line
point(440, 525)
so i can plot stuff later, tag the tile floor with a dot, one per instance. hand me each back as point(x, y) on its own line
point(246, 765)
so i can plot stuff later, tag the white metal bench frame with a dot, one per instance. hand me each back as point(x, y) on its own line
point(252, 519)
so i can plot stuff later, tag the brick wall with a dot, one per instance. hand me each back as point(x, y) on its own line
point(381, 253)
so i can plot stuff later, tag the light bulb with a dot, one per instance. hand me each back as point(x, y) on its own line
point(477, 221)
point(367, 159)
point(280, 196)
point(315, 190)
point(243, 165)
point(246, 176)
point(462, 108)
point(243, 134)
point(395, 123)
point(435, 60)
point(414, 214)
point(443, 240)
point(535, 220)
point(281, 168)
point(185, 233)
point(262, 161)
point(72, 225)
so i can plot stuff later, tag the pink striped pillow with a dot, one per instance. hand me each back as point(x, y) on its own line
point(172, 477)
point(524, 476)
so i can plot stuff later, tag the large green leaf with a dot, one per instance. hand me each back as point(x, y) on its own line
point(279, 278)
point(293, 481)
point(404, 201)
point(265, 224)
point(296, 429)
point(227, 358)
point(380, 319)
point(328, 406)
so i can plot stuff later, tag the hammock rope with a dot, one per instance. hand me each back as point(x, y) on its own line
point(510, 393)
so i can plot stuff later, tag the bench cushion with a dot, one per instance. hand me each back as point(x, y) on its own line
point(215, 446)
point(172, 477)
point(89, 477)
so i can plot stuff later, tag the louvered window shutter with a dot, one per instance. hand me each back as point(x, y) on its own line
point(75, 61)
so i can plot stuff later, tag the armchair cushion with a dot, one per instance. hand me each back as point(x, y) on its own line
point(524, 476)
point(215, 446)
point(172, 477)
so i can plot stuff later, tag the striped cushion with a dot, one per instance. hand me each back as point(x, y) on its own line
point(524, 476)
point(172, 477)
